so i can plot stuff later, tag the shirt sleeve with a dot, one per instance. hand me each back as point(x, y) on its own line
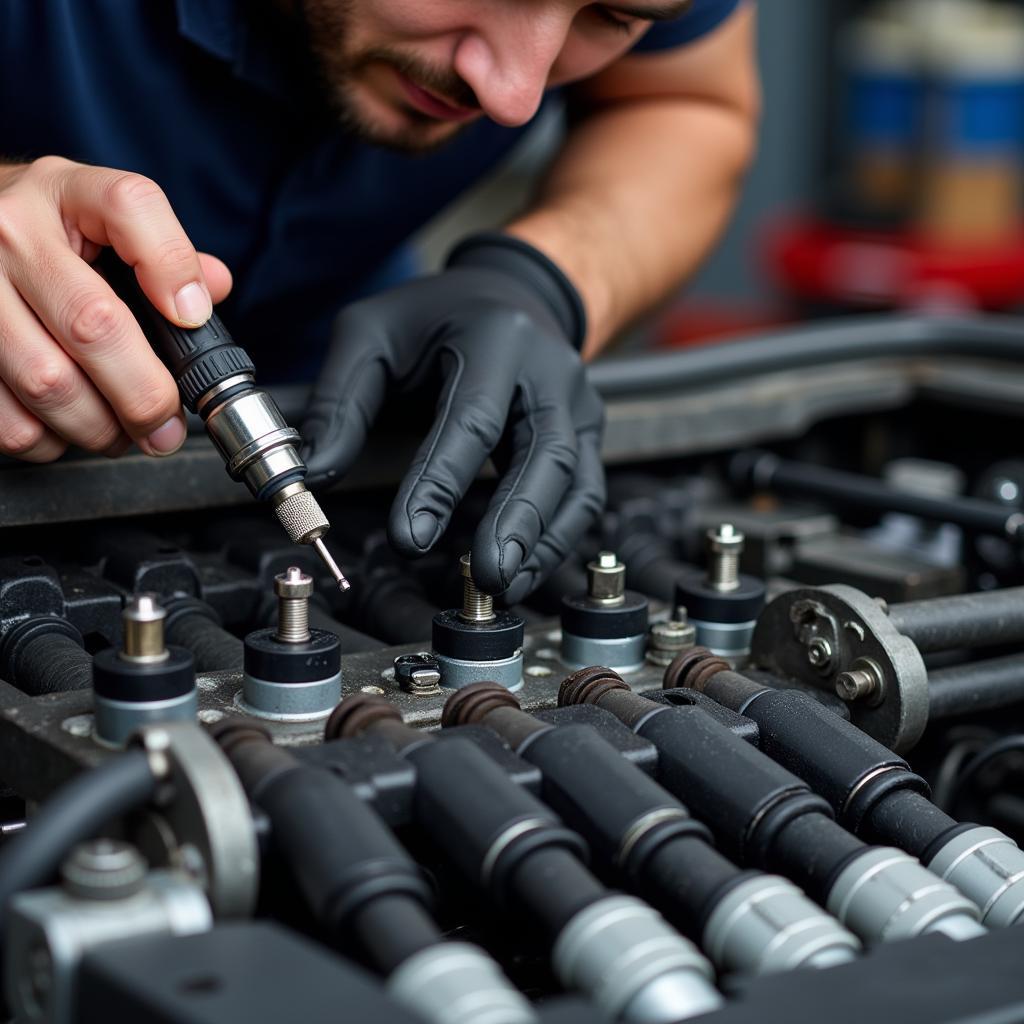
point(702, 18)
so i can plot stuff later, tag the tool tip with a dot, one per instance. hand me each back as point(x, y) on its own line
point(332, 566)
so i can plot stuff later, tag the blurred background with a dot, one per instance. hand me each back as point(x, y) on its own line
point(889, 174)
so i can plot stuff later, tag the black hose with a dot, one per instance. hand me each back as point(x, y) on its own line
point(552, 886)
point(978, 686)
point(1012, 744)
point(819, 344)
point(197, 629)
point(909, 820)
point(966, 620)
point(74, 813)
point(51, 663)
point(765, 471)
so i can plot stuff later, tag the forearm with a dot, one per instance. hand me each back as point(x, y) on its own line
point(635, 200)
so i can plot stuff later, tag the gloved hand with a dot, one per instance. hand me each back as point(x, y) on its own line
point(495, 335)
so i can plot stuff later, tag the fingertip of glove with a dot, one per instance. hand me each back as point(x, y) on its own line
point(520, 587)
point(416, 534)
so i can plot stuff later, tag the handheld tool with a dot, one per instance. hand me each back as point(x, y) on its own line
point(216, 379)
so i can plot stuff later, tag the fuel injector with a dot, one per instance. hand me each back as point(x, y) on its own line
point(766, 817)
point(366, 893)
point(615, 949)
point(871, 789)
point(216, 379)
point(747, 922)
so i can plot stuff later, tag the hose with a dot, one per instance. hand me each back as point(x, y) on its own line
point(74, 813)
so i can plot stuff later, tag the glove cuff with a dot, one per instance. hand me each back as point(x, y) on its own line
point(513, 256)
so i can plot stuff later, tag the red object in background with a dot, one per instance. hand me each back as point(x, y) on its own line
point(691, 323)
point(820, 263)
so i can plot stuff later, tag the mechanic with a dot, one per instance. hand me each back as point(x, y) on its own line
point(300, 143)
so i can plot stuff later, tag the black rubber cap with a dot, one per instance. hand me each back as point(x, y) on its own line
point(116, 678)
point(582, 617)
point(277, 661)
point(477, 641)
point(706, 604)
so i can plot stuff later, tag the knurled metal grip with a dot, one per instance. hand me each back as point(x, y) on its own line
point(301, 516)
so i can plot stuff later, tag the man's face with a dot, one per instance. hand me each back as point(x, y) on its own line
point(411, 73)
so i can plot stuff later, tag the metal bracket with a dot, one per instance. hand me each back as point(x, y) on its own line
point(825, 635)
point(203, 823)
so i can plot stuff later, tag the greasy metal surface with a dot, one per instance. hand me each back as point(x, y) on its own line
point(747, 411)
point(44, 741)
point(853, 628)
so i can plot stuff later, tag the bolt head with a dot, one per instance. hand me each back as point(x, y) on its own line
point(293, 584)
point(104, 869)
point(819, 652)
point(725, 539)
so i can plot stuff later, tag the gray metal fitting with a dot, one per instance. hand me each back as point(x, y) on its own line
point(725, 546)
point(726, 639)
point(666, 639)
point(50, 930)
point(885, 895)
point(625, 654)
point(289, 702)
point(456, 983)
point(988, 868)
point(457, 673)
point(606, 580)
point(766, 924)
point(116, 720)
point(103, 869)
point(632, 965)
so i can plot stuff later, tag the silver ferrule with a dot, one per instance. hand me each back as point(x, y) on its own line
point(766, 924)
point(632, 965)
point(885, 895)
point(253, 439)
point(456, 983)
point(988, 868)
point(142, 623)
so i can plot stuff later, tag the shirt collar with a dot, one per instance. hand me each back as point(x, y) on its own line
point(262, 46)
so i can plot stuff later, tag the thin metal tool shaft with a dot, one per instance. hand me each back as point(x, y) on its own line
point(332, 565)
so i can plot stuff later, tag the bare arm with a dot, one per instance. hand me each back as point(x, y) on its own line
point(647, 180)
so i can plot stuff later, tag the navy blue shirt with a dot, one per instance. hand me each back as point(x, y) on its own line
point(214, 100)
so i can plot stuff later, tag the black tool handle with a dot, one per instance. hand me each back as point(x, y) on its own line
point(199, 358)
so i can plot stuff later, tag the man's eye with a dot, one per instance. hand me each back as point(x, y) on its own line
point(623, 24)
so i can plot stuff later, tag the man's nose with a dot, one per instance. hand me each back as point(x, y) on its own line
point(507, 60)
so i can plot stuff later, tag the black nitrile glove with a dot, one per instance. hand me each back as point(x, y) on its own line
point(495, 335)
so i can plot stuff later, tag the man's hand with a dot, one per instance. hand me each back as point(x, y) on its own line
point(494, 335)
point(75, 368)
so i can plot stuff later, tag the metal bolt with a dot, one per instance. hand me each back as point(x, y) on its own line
point(860, 682)
point(143, 625)
point(418, 674)
point(606, 579)
point(103, 869)
point(725, 544)
point(819, 653)
point(666, 639)
point(294, 589)
point(476, 605)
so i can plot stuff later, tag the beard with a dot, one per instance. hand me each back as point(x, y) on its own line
point(328, 30)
